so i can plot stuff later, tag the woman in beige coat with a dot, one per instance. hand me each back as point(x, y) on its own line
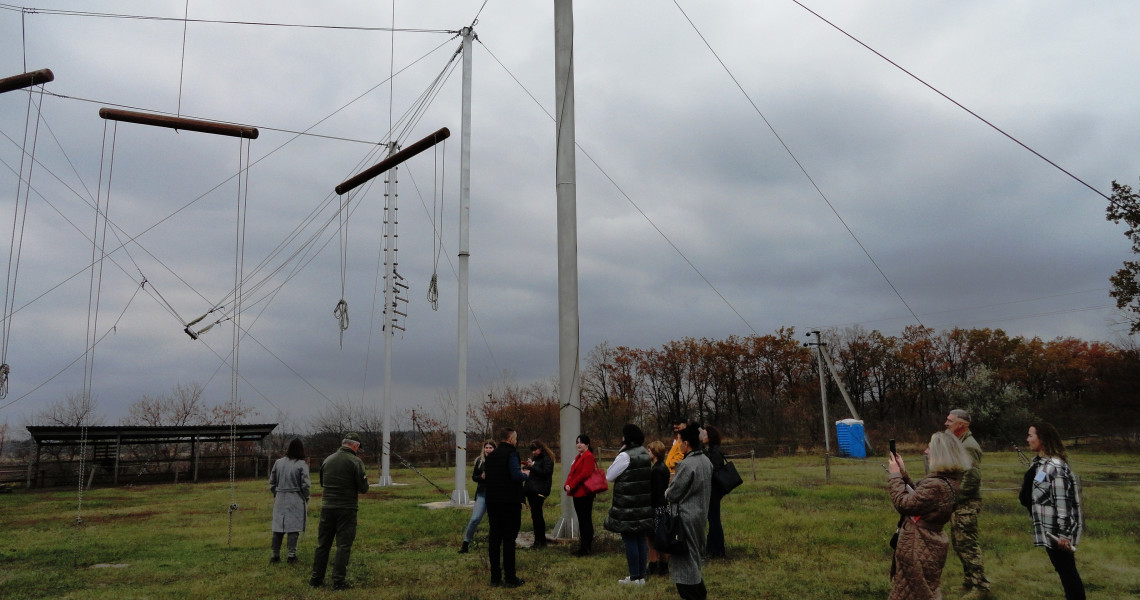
point(916, 571)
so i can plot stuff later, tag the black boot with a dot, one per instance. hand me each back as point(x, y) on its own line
point(662, 568)
point(464, 549)
point(651, 569)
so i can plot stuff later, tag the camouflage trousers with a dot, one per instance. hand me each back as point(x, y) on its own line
point(964, 536)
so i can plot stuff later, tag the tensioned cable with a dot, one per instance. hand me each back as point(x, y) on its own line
point(958, 104)
point(627, 197)
point(799, 164)
point(78, 13)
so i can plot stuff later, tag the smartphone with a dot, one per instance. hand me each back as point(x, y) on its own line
point(892, 443)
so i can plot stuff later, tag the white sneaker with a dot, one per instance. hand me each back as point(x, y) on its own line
point(632, 581)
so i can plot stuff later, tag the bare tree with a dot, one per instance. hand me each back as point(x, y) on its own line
point(76, 410)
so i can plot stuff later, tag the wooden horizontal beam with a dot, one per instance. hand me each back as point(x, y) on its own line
point(180, 123)
point(352, 182)
point(26, 80)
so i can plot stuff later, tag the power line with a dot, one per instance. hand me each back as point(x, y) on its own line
point(958, 104)
point(88, 14)
point(800, 165)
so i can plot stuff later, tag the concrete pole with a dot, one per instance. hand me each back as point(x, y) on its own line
point(570, 417)
point(823, 399)
point(459, 494)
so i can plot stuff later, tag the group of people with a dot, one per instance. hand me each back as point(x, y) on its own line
point(649, 482)
point(950, 493)
point(645, 482)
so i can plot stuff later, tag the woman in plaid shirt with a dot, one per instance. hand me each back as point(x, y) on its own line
point(1052, 494)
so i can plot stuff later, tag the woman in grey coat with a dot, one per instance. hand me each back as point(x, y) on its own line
point(289, 482)
point(690, 492)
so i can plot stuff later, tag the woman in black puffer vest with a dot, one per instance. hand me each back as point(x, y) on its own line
point(632, 512)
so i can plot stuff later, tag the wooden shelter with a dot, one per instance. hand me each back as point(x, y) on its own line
point(108, 442)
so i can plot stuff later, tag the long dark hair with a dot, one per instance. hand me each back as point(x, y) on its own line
point(536, 444)
point(713, 434)
point(296, 449)
point(1050, 441)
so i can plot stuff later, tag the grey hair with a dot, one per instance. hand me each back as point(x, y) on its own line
point(947, 454)
point(961, 414)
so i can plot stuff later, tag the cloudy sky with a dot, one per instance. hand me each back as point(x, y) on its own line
point(693, 218)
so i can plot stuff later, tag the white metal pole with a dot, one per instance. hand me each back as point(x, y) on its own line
point(565, 177)
point(459, 495)
point(389, 317)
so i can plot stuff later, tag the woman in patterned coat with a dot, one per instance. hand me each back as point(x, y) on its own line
point(289, 482)
point(1052, 494)
point(916, 571)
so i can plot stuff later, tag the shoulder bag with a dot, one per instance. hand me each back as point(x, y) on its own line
point(726, 478)
point(596, 482)
point(669, 533)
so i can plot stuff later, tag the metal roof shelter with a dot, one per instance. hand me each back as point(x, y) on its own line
point(108, 440)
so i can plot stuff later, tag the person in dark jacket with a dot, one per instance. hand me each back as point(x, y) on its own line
point(658, 482)
point(580, 470)
point(632, 512)
point(714, 545)
point(539, 473)
point(504, 507)
point(480, 508)
point(342, 478)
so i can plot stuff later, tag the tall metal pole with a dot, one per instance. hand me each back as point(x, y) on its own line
point(459, 495)
point(823, 399)
point(565, 178)
point(389, 317)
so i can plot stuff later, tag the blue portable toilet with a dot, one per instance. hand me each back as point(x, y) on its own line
point(849, 434)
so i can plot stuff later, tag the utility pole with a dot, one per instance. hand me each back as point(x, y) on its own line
point(818, 343)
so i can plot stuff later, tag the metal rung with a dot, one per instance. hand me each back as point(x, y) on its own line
point(395, 326)
point(402, 314)
point(404, 300)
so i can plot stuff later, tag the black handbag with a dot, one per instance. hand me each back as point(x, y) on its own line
point(669, 534)
point(726, 478)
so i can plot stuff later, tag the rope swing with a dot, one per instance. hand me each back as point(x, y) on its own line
point(244, 133)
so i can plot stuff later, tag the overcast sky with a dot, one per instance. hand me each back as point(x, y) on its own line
point(683, 174)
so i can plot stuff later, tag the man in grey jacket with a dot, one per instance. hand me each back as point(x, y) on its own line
point(342, 478)
point(964, 522)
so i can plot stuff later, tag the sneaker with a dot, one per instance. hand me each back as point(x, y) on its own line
point(627, 579)
point(464, 549)
point(513, 583)
point(291, 560)
point(638, 581)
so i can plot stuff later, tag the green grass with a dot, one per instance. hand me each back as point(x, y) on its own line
point(790, 535)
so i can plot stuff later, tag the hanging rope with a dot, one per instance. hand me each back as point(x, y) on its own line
point(341, 310)
point(437, 225)
point(239, 266)
point(16, 241)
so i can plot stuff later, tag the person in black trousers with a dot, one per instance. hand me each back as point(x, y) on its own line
point(714, 545)
point(540, 472)
point(504, 507)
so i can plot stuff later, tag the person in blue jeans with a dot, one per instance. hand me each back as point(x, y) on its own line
point(477, 513)
point(632, 512)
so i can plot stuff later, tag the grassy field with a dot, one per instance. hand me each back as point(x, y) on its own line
point(790, 535)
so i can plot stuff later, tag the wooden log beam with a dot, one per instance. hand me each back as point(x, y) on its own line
point(180, 123)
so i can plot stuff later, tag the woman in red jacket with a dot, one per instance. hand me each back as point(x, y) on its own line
point(580, 470)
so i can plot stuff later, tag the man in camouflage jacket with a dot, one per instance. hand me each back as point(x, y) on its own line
point(964, 522)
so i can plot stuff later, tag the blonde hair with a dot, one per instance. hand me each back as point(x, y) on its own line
point(483, 451)
point(947, 454)
point(657, 449)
